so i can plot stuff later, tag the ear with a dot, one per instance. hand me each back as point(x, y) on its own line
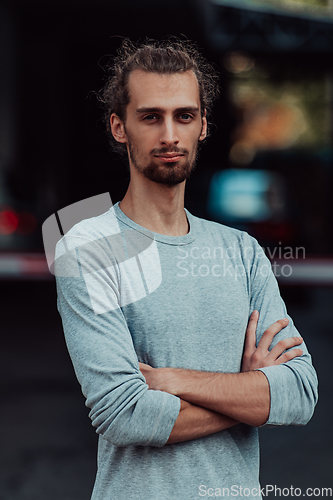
point(203, 133)
point(117, 128)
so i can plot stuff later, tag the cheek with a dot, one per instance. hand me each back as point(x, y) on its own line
point(145, 139)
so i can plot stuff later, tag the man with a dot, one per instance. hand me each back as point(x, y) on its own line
point(216, 369)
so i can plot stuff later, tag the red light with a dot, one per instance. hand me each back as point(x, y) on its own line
point(8, 221)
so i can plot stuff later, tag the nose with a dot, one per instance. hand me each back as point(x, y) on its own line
point(169, 133)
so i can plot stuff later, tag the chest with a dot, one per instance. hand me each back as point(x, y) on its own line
point(196, 318)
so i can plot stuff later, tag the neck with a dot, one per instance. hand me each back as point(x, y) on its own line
point(156, 207)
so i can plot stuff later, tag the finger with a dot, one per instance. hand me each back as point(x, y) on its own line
point(287, 356)
point(143, 366)
point(270, 333)
point(250, 334)
point(283, 345)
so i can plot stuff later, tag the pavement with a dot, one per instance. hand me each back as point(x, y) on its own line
point(48, 446)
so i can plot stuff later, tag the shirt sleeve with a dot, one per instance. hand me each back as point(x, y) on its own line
point(293, 385)
point(122, 409)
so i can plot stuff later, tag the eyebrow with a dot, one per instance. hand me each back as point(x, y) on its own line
point(161, 110)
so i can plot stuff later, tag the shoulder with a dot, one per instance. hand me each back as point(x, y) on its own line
point(235, 241)
point(91, 238)
point(97, 227)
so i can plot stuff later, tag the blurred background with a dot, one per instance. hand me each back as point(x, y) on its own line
point(267, 168)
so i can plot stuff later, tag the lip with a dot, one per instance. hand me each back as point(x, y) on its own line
point(169, 157)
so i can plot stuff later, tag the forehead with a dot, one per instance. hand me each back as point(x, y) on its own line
point(151, 90)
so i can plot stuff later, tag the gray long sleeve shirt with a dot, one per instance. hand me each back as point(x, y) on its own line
point(126, 294)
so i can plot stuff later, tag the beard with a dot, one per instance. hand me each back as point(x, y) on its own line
point(171, 173)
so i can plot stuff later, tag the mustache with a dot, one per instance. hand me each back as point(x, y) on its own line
point(165, 150)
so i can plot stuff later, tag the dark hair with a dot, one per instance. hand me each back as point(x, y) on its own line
point(167, 56)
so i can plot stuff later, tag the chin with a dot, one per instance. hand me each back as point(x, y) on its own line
point(170, 174)
point(171, 178)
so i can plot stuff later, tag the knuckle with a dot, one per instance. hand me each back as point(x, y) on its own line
point(284, 343)
point(289, 342)
point(268, 333)
point(280, 324)
point(288, 356)
point(256, 357)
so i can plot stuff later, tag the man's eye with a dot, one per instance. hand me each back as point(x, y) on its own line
point(150, 117)
point(185, 117)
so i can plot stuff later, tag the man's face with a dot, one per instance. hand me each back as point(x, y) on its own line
point(163, 125)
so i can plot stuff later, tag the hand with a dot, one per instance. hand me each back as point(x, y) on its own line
point(160, 379)
point(260, 356)
point(146, 370)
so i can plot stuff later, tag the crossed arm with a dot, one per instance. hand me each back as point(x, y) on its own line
point(211, 402)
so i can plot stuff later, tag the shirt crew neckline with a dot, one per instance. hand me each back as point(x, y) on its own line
point(162, 238)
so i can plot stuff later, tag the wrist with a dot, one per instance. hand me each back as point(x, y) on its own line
point(167, 380)
point(161, 379)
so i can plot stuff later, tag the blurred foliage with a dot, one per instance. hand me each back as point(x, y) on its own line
point(309, 97)
point(321, 3)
